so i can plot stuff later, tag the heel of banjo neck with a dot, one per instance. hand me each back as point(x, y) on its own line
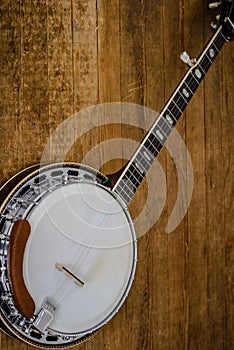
point(111, 179)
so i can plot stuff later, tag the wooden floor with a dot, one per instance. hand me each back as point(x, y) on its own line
point(60, 56)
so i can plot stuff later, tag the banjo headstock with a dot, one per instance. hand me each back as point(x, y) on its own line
point(226, 18)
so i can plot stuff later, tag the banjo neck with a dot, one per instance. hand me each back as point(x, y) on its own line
point(146, 153)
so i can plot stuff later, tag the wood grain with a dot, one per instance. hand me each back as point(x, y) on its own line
point(59, 57)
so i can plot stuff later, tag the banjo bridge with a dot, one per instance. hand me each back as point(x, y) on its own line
point(70, 274)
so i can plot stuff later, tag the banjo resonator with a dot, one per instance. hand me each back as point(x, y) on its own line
point(76, 220)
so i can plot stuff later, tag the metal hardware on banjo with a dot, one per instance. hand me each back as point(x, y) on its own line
point(68, 247)
point(80, 232)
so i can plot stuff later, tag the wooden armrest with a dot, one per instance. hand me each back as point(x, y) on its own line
point(18, 239)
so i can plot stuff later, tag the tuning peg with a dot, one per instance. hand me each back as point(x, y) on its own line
point(214, 25)
point(214, 5)
point(187, 60)
point(218, 17)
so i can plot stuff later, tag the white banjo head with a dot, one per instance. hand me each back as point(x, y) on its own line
point(79, 259)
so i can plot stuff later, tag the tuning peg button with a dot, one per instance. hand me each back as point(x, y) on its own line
point(186, 59)
point(214, 5)
point(214, 25)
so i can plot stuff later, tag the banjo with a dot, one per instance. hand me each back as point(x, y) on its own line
point(68, 247)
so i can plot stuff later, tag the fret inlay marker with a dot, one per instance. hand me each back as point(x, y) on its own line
point(128, 187)
point(212, 53)
point(185, 92)
point(169, 119)
point(147, 156)
point(139, 167)
point(158, 133)
point(198, 73)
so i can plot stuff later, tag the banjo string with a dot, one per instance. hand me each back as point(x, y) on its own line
point(88, 250)
point(77, 253)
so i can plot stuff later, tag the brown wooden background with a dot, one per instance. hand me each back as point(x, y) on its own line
point(59, 56)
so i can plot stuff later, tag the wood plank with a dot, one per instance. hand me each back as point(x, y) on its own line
point(85, 61)
point(85, 69)
point(225, 290)
point(154, 243)
point(176, 275)
point(60, 57)
point(131, 91)
point(60, 73)
point(197, 331)
point(215, 199)
point(34, 81)
point(10, 87)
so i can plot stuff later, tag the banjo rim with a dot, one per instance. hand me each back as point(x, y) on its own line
point(10, 188)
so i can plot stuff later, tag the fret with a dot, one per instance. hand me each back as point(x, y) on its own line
point(156, 140)
point(204, 70)
point(139, 174)
point(189, 88)
point(169, 118)
point(138, 168)
point(198, 74)
point(179, 103)
point(136, 172)
point(145, 162)
point(150, 147)
point(130, 181)
point(174, 110)
point(205, 63)
point(164, 126)
point(147, 155)
point(123, 194)
point(211, 52)
point(124, 190)
point(208, 58)
point(153, 144)
point(191, 82)
point(219, 40)
point(129, 176)
point(133, 175)
point(186, 93)
point(128, 186)
point(215, 47)
point(180, 99)
point(143, 158)
point(159, 135)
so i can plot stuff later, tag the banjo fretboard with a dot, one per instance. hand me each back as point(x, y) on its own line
point(151, 145)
